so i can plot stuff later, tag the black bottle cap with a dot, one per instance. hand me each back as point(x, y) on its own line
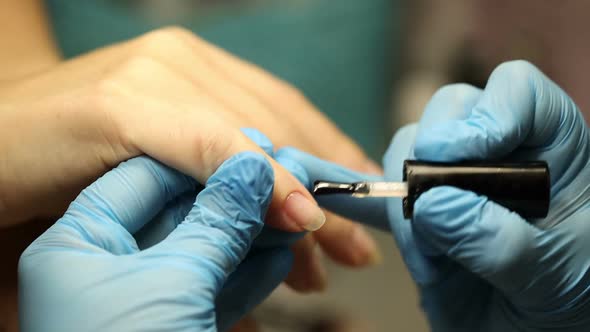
point(522, 187)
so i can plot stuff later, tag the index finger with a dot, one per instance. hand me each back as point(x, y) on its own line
point(519, 106)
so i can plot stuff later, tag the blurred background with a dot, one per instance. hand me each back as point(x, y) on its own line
point(371, 66)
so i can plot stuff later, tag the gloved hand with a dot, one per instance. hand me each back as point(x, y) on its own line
point(88, 273)
point(266, 265)
point(480, 267)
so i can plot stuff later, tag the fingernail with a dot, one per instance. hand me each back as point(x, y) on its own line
point(304, 212)
point(372, 167)
point(366, 246)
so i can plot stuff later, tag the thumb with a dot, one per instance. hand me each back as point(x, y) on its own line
point(226, 216)
point(484, 237)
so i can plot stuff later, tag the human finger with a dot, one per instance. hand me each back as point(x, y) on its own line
point(484, 237)
point(281, 98)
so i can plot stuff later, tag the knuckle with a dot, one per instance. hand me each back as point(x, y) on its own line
point(452, 100)
point(406, 133)
point(519, 68)
point(212, 148)
point(175, 31)
point(452, 90)
point(136, 65)
point(113, 90)
point(287, 93)
point(155, 41)
point(162, 35)
point(445, 90)
point(164, 38)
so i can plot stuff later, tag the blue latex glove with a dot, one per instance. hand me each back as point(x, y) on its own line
point(480, 267)
point(267, 264)
point(87, 272)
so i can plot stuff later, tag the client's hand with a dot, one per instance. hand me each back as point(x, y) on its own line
point(178, 99)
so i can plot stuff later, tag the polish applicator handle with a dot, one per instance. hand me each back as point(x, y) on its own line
point(522, 187)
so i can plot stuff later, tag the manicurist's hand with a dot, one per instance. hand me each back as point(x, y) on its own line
point(479, 266)
point(97, 268)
